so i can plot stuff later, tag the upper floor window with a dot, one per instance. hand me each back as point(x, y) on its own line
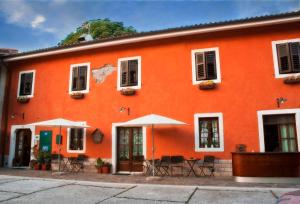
point(206, 65)
point(79, 78)
point(209, 132)
point(129, 73)
point(26, 83)
point(286, 56)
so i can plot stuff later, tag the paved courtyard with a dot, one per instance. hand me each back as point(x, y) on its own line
point(15, 189)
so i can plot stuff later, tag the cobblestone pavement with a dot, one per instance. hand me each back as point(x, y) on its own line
point(31, 190)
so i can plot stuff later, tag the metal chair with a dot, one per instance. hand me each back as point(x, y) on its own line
point(177, 162)
point(165, 163)
point(209, 164)
point(78, 163)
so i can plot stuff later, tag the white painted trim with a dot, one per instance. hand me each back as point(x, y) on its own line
point(221, 132)
point(275, 58)
point(139, 58)
point(260, 115)
point(114, 145)
point(216, 49)
point(88, 64)
point(12, 143)
point(33, 82)
point(84, 140)
point(160, 36)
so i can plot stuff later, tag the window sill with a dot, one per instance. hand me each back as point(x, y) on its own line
point(82, 91)
point(76, 151)
point(216, 81)
point(209, 150)
point(129, 87)
point(279, 76)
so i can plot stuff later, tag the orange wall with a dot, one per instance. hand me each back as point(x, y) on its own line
point(248, 84)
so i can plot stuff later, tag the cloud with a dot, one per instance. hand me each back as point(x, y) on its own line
point(21, 13)
point(39, 19)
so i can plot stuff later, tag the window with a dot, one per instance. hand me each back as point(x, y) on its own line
point(209, 132)
point(286, 56)
point(280, 133)
point(206, 65)
point(129, 73)
point(79, 78)
point(26, 83)
point(76, 140)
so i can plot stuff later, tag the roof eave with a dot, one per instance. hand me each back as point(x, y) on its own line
point(156, 36)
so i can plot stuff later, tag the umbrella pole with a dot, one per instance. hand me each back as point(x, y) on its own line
point(59, 150)
point(153, 163)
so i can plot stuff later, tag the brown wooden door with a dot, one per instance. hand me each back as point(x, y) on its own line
point(23, 147)
point(130, 149)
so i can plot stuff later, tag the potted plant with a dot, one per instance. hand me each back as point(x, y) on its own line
point(23, 99)
point(40, 161)
point(292, 79)
point(206, 85)
point(99, 164)
point(77, 95)
point(32, 163)
point(128, 92)
point(106, 168)
point(47, 159)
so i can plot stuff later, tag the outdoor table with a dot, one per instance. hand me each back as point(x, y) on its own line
point(191, 162)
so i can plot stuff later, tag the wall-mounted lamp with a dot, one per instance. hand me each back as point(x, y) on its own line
point(14, 115)
point(280, 101)
point(123, 109)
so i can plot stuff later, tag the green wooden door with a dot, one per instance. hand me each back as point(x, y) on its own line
point(46, 141)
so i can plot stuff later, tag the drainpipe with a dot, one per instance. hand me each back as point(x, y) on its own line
point(4, 86)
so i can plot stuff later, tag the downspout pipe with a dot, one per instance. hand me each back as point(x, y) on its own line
point(4, 86)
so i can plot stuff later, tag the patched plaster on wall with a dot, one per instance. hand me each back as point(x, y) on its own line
point(99, 74)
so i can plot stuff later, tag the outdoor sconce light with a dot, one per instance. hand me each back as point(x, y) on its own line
point(280, 101)
point(97, 136)
point(123, 109)
point(14, 115)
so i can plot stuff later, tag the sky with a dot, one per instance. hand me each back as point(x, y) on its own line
point(28, 25)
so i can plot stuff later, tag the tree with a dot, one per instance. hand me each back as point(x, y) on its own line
point(101, 28)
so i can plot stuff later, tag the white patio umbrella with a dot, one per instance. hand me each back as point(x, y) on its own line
point(60, 123)
point(152, 120)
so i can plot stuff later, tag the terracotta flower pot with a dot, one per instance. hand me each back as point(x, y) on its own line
point(105, 169)
point(99, 170)
point(23, 99)
point(127, 92)
point(36, 166)
point(77, 95)
point(44, 167)
point(207, 85)
point(292, 80)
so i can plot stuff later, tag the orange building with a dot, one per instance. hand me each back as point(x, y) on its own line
point(232, 82)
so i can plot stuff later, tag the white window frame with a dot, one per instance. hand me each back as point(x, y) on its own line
point(33, 82)
point(260, 115)
point(138, 86)
point(275, 58)
point(218, 69)
point(88, 64)
point(84, 140)
point(197, 135)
